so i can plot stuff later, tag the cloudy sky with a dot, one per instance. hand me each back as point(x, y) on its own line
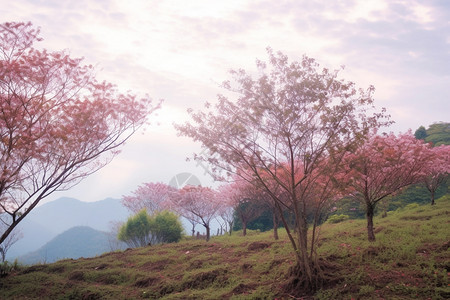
point(181, 50)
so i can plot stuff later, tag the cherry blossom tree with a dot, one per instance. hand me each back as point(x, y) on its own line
point(287, 131)
point(227, 207)
point(197, 204)
point(58, 124)
point(249, 202)
point(438, 169)
point(151, 196)
point(382, 166)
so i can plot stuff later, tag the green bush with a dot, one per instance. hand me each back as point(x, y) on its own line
point(166, 228)
point(136, 231)
point(337, 218)
point(142, 229)
point(7, 267)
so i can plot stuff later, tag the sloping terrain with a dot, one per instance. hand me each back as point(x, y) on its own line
point(409, 260)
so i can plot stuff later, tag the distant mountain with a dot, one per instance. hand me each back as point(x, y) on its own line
point(47, 221)
point(66, 213)
point(80, 241)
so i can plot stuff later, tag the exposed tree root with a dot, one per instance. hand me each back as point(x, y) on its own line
point(300, 286)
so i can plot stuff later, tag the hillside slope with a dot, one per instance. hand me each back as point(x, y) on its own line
point(80, 241)
point(409, 260)
point(47, 221)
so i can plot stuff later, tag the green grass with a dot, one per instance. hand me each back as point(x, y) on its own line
point(409, 260)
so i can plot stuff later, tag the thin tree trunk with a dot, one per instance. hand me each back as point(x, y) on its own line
point(305, 265)
point(432, 197)
point(244, 228)
point(275, 225)
point(385, 206)
point(207, 232)
point(369, 215)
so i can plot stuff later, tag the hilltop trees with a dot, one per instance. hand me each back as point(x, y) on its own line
point(58, 124)
point(151, 196)
point(228, 202)
point(286, 132)
point(197, 204)
point(382, 166)
point(438, 169)
point(437, 133)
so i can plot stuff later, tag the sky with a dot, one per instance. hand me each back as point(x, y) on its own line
point(181, 51)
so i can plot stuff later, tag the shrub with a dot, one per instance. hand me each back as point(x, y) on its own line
point(166, 228)
point(7, 267)
point(337, 218)
point(142, 229)
point(136, 231)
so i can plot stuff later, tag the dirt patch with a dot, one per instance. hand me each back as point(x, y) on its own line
point(378, 229)
point(205, 279)
point(196, 264)
point(91, 296)
point(157, 265)
point(445, 246)
point(257, 246)
point(101, 267)
point(246, 267)
point(428, 248)
point(56, 269)
point(77, 276)
point(415, 218)
point(373, 251)
point(146, 282)
point(35, 268)
point(276, 262)
point(240, 289)
point(109, 278)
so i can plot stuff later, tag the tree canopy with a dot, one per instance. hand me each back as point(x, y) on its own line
point(58, 124)
point(286, 133)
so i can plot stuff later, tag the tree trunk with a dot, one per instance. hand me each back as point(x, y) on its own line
point(432, 197)
point(369, 215)
point(275, 226)
point(385, 207)
point(207, 232)
point(244, 228)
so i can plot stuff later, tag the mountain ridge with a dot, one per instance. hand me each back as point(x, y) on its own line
point(74, 243)
point(47, 221)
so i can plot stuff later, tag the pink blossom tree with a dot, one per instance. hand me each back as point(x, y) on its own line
point(382, 166)
point(151, 196)
point(438, 169)
point(58, 124)
point(227, 207)
point(197, 204)
point(287, 130)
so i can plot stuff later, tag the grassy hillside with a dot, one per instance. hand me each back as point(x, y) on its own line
point(409, 260)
